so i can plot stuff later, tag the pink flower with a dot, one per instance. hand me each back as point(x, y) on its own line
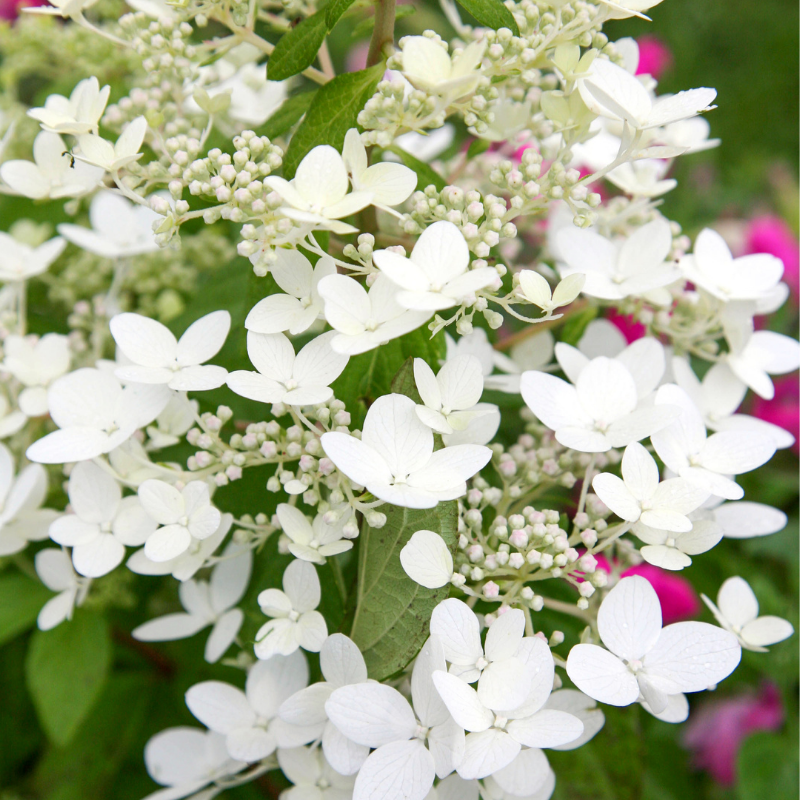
point(677, 596)
point(717, 729)
point(770, 234)
point(628, 326)
point(784, 409)
point(654, 56)
point(9, 9)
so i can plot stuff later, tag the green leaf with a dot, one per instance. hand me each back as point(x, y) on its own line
point(478, 146)
point(405, 383)
point(575, 325)
point(66, 669)
point(297, 49)
point(427, 174)
point(287, 115)
point(334, 11)
point(767, 767)
point(391, 621)
point(21, 598)
point(491, 13)
point(370, 375)
point(334, 111)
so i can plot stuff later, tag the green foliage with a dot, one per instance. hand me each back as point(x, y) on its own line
point(767, 768)
point(289, 113)
point(297, 49)
point(427, 174)
point(575, 325)
point(491, 13)
point(21, 598)
point(66, 669)
point(478, 146)
point(334, 111)
point(370, 375)
point(392, 612)
point(334, 11)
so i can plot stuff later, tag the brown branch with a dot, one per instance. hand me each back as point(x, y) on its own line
point(532, 330)
point(165, 666)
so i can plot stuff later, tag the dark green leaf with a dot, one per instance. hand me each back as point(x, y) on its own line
point(334, 11)
point(287, 115)
point(575, 325)
point(767, 767)
point(21, 598)
point(478, 146)
point(66, 669)
point(370, 375)
point(297, 49)
point(392, 617)
point(427, 174)
point(334, 111)
point(491, 13)
point(405, 383)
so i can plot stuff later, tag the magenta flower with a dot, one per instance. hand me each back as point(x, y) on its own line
point(770, 234)
point(628, 326)
point(9, 9)
point(715, 732)
point(784, 409)
point(655, 57)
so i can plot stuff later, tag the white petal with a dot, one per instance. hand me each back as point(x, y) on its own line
point(341, 661)
point(732, 453)
point(223, 634)
point(144, 341)
point(198, 379)
point(582, 707)
point(555, 402)
point(317, 364)
point(220, 706)
point(271, 682)
point(427, 385)
point(307, 707)
point(456, 625)
point(446, 469)
point(250, 743)
point(400, 770)
point(169, 628)
point(441, 252)
point(504, 685)
point(660, 555)
point(360, 462)
point(745, 519)
point(601, 675)
point(427, 560)
point(229, 578)
point(487, 752)
point(525, 775)
point(617, 496)
point(505, 635)
point(167, 543)
point(766, 631)
point(462, 702)
point(344, 755)
point(737, 602)
point(428, 705)
point(271, 354)
point(98, 557)
point(255, 386)
point(311, 630)
point(347, 305)
point(93, 493)
point(446, 743)
point(546, 728)
point(203, 339)
point(461, 382)
point(371, 714)
point(629, 620)
point(162, 501)
point(301, 584)
point(394, 431)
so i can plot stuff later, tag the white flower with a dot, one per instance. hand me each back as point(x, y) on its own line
point(314, 541)
point(503, 679)
point(341, 664)
point(451, 396)
point(424, 146)
point(428, 67)
point(282, 377)
point(318, 193)
point(496, 736)
point(102, 522)
point(644, 359)
point(36, 364)
point(98, 152)
point(707, 462)
point(427, 560)
point(186, 565)
point(394, 458)
point(534, 288)
point(436, 275)
point(78, 114)
point(11, 420)
point(612, 92)
point(253, 98)
point(158, 358)
point(207, 603)
point(187, 759)
point(599, 412)
point(493, 791)
point(301, 306)
point(22, 520)
point(185, 516)
point(52, 173)
point(670, 550)
point(640, 496)
point(581, 706)
point(364, 319)
point(737, 611)
point(718, 396)
point(754, 356)
point(691, 135)
point(312, 776)
point(642, 659)
point(20, 261)
point(249, 719)
point(481, 429)
point(390, 184)
point(173, 422)
point(120, 229)
point(643, 177)
point(628, 8)
point(602, 338)
point(616, 270)
point(95, 415)
point(376, 715)
point(744, 519)
point(55, 571)
point(712, 268)
point(296, 622)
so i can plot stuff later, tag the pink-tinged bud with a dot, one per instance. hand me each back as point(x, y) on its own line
point(516, 560)
point(269, 450)
point(587, 563)
point(655, 58)
point(326, 466)
point(475, 553)
point(491, 561)
point(307, 463)
point(716, 730)
point(491, 590)
point(233, 472)
point(204, 459)
point(518, 538)
point(507, 468)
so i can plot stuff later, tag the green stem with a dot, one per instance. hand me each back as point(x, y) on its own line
point(383, 32)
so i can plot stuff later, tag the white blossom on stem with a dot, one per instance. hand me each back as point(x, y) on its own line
point(98, 152)
point(20, 261)
point(313, 541)
point(78, 114)
point(54, 568)
point(36, 364)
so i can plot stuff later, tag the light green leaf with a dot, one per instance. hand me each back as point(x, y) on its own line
point(66, 669)
point(491, 13)
point(287, 115)
point(21, 598)
point(297, 49)
point(767, 767)
point(427, 174)
point(392, 617)
point(334, 111)
point(334, 11)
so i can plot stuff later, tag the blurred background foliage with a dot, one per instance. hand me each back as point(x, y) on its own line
point(748, 51)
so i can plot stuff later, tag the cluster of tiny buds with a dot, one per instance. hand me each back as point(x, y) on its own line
point(534, 459)
point(162, 44)
point(392, 108)
point(363, 252)
point(480, 219)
